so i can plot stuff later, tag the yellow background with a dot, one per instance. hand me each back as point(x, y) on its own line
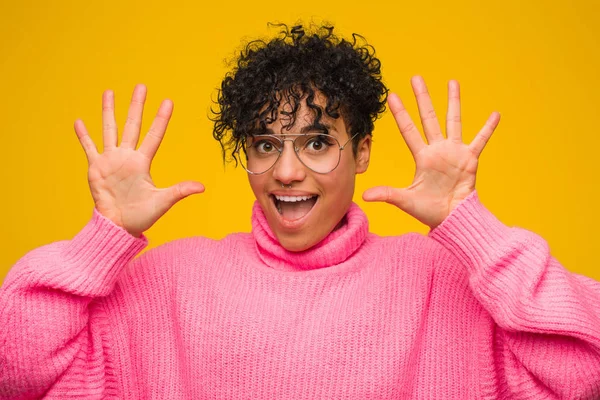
point(535, 61)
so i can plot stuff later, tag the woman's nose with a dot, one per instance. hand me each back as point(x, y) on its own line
point(288, 167)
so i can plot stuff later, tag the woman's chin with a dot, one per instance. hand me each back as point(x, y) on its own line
point(297, 243)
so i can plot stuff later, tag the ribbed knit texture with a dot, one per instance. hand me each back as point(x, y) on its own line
point(473, 310)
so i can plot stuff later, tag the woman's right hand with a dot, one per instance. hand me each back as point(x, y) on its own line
point(119, 178)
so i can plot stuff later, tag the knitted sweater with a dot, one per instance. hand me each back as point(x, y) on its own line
point(472, 310)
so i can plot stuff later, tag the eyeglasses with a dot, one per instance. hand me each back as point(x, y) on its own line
point(319, 152)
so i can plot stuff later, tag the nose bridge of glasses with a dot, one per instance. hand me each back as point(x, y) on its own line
point(284, 139)
point(288, 166)
point(292, 146)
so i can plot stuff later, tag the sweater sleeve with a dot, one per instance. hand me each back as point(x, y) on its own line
point(547, 319)
point(52, 343)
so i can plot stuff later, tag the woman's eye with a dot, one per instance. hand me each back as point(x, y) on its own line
point(318, 144)
point(264, 146)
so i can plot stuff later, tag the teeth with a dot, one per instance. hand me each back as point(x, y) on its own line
point(293, 198)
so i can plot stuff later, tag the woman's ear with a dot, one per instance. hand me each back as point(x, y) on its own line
point(363, 154)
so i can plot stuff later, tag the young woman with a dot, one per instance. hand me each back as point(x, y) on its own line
point(309, 305)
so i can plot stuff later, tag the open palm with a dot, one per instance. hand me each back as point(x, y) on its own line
point(119, 177)
point(446, 167)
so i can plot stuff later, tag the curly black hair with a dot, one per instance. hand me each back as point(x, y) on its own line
point(296, 65)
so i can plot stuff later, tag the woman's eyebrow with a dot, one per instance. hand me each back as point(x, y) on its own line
point(306, 129)
point(317, 128)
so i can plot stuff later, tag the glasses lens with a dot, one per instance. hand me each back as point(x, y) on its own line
point(319, 152)
point(262, 151)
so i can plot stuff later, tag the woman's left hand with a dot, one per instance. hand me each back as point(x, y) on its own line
point(445, 167)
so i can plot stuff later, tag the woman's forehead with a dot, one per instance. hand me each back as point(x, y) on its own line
point(304, 121)
point(294, 115)
point(300, 129)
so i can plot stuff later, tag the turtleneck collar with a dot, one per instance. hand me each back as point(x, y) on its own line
point(334, 249)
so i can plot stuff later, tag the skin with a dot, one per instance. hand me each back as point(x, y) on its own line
point(119, 177)
point(334, 190)
point(446, 168)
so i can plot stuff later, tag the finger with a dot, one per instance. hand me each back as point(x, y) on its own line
point(453, 118)
point(431, 126)
point(131, 132)
point(157, 131)
point(388, 194)
point(408, 130)
point(86, 141)
point(109, 125)
point(172, 195)
point(478, 144)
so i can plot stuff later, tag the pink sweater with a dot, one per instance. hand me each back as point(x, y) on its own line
point(473, 310)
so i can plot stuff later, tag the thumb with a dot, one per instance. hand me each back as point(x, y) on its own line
point(388, 194)
point(180, 191)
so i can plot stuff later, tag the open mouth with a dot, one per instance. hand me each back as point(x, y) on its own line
point(292, 208)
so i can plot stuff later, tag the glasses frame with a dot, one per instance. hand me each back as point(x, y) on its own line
point(296, 150)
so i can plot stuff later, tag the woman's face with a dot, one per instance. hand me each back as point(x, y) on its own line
point(300, 224)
